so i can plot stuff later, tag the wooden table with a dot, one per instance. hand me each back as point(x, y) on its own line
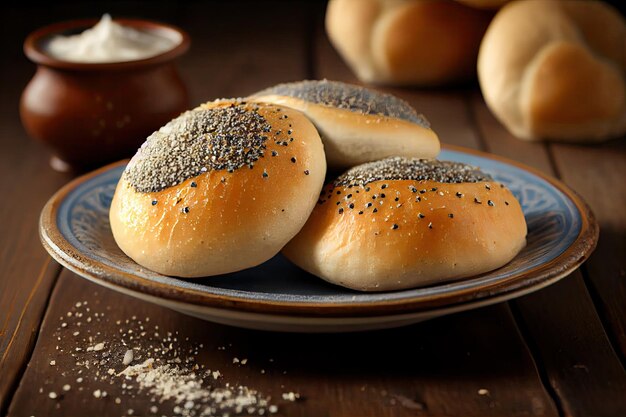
point(558, 352)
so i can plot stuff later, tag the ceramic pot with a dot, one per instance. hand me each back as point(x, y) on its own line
point(89, 114)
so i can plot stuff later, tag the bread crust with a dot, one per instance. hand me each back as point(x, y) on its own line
point(219, 221)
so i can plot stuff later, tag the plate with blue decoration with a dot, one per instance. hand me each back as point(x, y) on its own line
point(277, 295)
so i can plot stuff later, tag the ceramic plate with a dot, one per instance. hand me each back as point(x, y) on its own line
point(562, 232)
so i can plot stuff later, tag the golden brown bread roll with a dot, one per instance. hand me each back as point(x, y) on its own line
point(357, 124)
point(221, 188)
point(407, 42)
point(555, 70)
point(402, 223)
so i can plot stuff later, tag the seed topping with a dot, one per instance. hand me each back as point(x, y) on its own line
point(201, 140)
point(348, 97)
point(398, 168)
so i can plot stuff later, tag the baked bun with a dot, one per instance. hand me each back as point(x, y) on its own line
point(402, 223)
point(357, 125)
point(555, 70)
point(219, 189)
point(407, 42)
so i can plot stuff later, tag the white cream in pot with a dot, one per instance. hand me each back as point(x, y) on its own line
point(109, 41)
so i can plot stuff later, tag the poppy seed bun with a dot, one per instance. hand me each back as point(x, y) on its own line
point(565, 77)
point(219, 189)
point(357, 125)
point(402, 223)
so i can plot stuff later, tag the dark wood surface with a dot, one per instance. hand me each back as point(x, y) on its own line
point(557, 352)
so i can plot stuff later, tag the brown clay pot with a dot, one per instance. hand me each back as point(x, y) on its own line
point(93, 113)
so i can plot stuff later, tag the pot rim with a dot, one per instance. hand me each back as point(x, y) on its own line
point(34, 51)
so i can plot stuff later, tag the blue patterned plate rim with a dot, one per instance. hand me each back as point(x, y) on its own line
point(562, 234)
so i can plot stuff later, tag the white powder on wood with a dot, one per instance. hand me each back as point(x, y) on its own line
point(185, 387)
point(157, 368)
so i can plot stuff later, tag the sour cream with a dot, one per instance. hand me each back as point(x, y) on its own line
point(108, 41)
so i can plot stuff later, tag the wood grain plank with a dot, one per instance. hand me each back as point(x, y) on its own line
point(561, 321)
point(580, 363)
point(431, 369)
point(20, 328)
point(597, 173)
point(450, 118)
point(26, 182)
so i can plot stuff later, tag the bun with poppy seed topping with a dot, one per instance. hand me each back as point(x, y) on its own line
point(357, 125)
point(219, 189)
point(401, 223)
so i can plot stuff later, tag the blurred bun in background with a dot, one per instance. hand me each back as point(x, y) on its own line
point(407, 42)
point(555, 70)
